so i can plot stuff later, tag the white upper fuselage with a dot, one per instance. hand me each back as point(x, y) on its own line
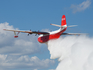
point(56, 31)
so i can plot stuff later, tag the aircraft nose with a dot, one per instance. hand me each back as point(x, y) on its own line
point(39, 40)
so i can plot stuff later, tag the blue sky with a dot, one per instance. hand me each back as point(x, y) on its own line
point(37, 15)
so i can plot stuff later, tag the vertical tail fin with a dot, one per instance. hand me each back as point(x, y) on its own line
point(63, 22)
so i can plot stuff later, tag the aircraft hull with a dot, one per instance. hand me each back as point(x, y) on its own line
point(44, 39)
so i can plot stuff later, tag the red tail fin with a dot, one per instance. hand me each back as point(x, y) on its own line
point(63, 22)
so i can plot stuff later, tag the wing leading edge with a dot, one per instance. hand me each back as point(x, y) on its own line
point(30, 32)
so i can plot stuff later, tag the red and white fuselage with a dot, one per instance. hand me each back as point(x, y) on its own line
point(54, 34)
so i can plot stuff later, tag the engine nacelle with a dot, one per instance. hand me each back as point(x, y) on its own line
point(15, 36)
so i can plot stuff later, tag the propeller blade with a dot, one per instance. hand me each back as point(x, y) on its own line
point(36, 35)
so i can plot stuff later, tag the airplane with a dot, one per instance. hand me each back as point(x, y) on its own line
point(46, 36)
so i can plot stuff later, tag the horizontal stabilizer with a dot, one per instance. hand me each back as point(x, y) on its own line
point(63, 26)
point(56, 25)
point(72, 26)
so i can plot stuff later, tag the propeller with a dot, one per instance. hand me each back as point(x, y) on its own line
point(35, 34)
point(28, 34)
point(50, 30)
point(30, 30)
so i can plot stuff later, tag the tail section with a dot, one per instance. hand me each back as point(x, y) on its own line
point(63, 22)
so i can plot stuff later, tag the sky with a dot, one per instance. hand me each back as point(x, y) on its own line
point(25, 52)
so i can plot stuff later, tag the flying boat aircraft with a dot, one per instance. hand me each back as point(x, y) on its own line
point(46, 36)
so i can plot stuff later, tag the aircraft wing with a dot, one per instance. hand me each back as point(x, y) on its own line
point(73, 33)
point(30, 32)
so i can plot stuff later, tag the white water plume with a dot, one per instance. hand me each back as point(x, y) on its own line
point(73, 52)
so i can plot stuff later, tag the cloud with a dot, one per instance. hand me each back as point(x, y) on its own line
point(12, 62)
point(35, 69)
point(51, 69)
point(81, 7)
point(14, 53)
point(22, 45)
point(73, 52)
